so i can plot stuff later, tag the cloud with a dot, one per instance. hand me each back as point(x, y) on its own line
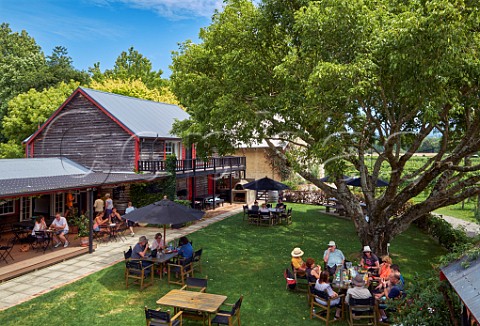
point(172, 9)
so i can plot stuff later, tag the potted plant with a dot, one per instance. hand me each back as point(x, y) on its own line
point(82, 224)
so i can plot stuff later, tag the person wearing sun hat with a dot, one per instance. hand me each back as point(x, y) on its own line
point(369, 260)
point(359, 291)
point(297, 262)
point(333, 257)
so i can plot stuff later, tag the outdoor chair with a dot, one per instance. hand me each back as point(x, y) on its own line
point(266, 219)
point(157, 317)
point(122, 229)
point(178, 272)
point(362, 311)
point(325, 312)
point(6, 249)
point(253, 217)
point(228, 317)
point(196, 284)
point(197, 259)
point(136, 270)
point(42, 240)
point(299, 279)
point(245, 212)
point(286, 216)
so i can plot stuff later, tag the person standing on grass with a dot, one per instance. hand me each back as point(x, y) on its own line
point(130, 224)
point(333, 257)
point(60, 226)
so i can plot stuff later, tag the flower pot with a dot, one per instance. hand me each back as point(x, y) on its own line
point(84, 241)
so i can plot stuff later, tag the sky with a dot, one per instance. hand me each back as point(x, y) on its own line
point(99, 30)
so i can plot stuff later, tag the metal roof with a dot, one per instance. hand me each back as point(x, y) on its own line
point(143, 118)
point(32, 176)
point(39, 167)
point(466, 283)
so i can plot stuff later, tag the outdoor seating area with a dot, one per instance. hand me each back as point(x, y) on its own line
point(235, 267)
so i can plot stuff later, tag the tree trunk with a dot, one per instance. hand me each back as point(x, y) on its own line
point(376, 236)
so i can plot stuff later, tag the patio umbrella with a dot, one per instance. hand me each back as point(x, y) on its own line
point(355, 182)
point(164, 212)
point(265, 184)
point(331, 178)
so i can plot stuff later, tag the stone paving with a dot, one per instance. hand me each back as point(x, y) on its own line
point(20, 289)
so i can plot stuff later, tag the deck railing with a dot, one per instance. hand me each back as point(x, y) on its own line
point(213, 164)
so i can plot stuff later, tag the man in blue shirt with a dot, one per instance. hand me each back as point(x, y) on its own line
point(186, 249)
point(333, 257)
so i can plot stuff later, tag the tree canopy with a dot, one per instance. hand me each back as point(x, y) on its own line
point(339, 79)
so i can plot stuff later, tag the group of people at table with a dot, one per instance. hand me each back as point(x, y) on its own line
point(381, 280)
point(59, 229)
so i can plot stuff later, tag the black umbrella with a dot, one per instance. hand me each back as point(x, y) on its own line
point(355, 182)
point(332, 178)
point(164, 212)
point(265, 184)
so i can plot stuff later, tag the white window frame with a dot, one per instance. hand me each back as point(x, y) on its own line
point(11, 204)
point(26, 208)
point(57, 203)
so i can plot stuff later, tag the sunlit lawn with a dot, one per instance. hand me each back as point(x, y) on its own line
point(238, 259)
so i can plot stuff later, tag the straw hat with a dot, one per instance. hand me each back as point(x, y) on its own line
point(367, 249)
point(331, 244)
point(297, 252)
point(358, 280)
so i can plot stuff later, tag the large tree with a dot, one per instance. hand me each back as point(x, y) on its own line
point(340, 79)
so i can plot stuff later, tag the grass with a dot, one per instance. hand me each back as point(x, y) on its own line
point(238, 259)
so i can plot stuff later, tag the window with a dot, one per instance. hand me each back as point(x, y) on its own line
point(58, 203)
point(168, 148)
point(25, 208)
point(7, 206)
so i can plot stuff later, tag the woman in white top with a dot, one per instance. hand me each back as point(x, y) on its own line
point(158, 242)
point(322, 284)
point(40, 225)
point(264, 208)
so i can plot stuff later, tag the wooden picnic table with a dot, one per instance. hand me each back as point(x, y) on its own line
point(161, 260)
point(191, 300)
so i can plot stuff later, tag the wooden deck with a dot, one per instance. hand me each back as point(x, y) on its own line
point(32, 261)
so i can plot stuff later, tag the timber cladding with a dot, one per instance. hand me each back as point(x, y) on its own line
point(85, 134)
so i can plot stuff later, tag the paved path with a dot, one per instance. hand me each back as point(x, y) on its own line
point(472, 229)
point(20, 289)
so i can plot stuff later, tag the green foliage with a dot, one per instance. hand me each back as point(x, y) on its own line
point(142, 194)
point(82, 222)
point(448, 236)
point(28, 111)
point(171, 180)
point(11, 149)
point(128, 67)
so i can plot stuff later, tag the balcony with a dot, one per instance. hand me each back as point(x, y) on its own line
point(197, 166)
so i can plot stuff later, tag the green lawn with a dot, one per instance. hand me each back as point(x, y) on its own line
point(238, 259)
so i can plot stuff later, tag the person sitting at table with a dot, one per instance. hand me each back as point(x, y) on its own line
point(390, 292)
point(99, 222)
point(140, 250)
point(369, 260)
point(280, 204)
point(322, 284)
point(158, 243)
point(359, 291)
point(40, 225)
point(60, 226)
point(385, 269)
point(333, 257)
point(264, 209)
point(255, 206)
point(115, 217)
point(312, 271)
point(297, 262)
point(186, 249)
point(396, 269)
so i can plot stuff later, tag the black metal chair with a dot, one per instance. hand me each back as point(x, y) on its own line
point(42, 240)
point(228, 317)
point(137, 270)
point(6, 249)
point(245, 212)
point(157, 317)
point(197, 259)
point(362, 311)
